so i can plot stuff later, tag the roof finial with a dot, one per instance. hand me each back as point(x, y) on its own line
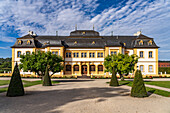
point(140, 31)
point(93, 27)
point(75, 27)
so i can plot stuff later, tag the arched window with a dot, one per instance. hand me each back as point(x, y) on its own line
point(68, 67)
point(28, 42)
point(18, 53)
point(92, 67)
point(100, 67)
point(19, 42)
point(27, 52)
point(141, 42)
point(76, 67)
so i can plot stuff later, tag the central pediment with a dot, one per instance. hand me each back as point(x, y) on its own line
point(84, 33)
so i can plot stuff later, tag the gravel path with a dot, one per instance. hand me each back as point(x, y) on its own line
point(82, 96)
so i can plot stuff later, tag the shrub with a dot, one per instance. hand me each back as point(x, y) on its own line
point(47, 79)
point(15, 87)
point(138, 87)
point(114, 81)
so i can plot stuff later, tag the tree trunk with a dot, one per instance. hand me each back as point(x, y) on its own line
point(121, 77)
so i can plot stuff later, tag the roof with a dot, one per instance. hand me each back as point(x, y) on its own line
point(85, 39)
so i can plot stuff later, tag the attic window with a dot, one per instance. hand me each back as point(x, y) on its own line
point(124, 44)
point(19, 42)
point(28, 42)
point(141, 42)
point(75, 42)
point(83, 33)
point(93, 42)
point(150, 42)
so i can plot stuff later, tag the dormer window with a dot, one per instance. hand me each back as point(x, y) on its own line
point(124, 44)
point(19, 42)
point(75, 42)
point(93, 42)
point(141, 42)
point(28, 42)
point(83, 33)
point(150, 43)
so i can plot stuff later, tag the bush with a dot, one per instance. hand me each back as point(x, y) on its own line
point(15, 87)
point(47, 78)
point(114, 81)
point(138, 87)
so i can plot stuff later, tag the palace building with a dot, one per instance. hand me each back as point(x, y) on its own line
point(84, 51)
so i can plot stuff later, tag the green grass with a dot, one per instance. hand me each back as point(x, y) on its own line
point(25, 83)
point(151, 90)
point(165, 84)
point(4, 82)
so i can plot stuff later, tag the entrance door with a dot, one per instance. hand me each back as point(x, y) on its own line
point(84, 69)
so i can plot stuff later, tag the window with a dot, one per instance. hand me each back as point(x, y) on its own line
point(100, 54)
point(92, 67)
point(84, 55)
point(19, 42)
point(76, 55)
point(141, 67)
point(100, 67)
point(113, 53)
point(27, 52)
point(150, 43)
point(141, 42)
point(150, 68)
point(141, 54)
point(68, 67)
point(68, 55)
point(150, 54)
point(76, 67)
point(55, 52)
point(28, 42)
point(92, 55)
point(18, 54)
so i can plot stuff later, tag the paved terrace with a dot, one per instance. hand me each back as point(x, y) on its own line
point(82, 96)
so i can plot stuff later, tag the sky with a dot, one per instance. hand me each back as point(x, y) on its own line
point(123, 17)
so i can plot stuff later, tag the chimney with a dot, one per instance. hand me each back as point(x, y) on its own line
point(56, 33)
point(111, 33)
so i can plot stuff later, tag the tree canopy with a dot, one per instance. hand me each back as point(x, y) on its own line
point(37, 62)
point(124, 64)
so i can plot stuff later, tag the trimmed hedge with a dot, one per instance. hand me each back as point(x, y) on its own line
point(138, 87)
point(15, 87)
point(163, 69)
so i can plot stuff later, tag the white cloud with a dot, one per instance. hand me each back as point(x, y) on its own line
point(62, 15)
point(4, 47)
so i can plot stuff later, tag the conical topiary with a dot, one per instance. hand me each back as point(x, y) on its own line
point(15, 87)
point(138, 87)
point(47, 78)
point(114, 81)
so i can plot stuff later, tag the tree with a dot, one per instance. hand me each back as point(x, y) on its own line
point(37, 62)
point(46, 78)
point(124, 64)
point(138, 87)
point(110, 65)
point(15, 87)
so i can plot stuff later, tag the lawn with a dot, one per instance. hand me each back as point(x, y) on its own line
point(165, 84)
point(4, 82)
point(26, 84)
point(151, 90)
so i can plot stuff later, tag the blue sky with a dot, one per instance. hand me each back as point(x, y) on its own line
point(123, 17)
